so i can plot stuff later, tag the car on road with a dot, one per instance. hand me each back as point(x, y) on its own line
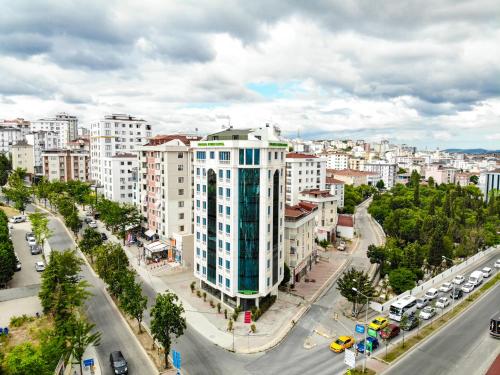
point(458, 280)
point(379, 323)
point(18, 263)
point(432, 293)
point(118, 362)
point(422, 302)
point(342, 343)
point(411, 322)
point(360, 346)
point(427, 313)
point(31, 241)
point(392, 330)
point(442, 302)
point(486, 271)
point(29, 234)
point(93, 224)
point(467, 288)
point(456, 293)
point(445, 288)
point(35, 250)
point(17, 219)
point(39, 266)
point(104, 237)
point(497, 263)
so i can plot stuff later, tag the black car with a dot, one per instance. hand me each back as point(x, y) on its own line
point(456, 294)
point(35, 249)
point(118, 363)
point(104, 237)
point(411, 323)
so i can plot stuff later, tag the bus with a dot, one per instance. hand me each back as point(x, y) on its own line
point(406, 305)
point(495, 325)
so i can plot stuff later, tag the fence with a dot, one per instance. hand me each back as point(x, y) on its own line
point(436, 280)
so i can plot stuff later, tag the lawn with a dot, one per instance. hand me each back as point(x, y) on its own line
point(9, 211)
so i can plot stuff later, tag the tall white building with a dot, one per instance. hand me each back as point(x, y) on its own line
point(490, 182)
point(116, 134)
point(387, 171)
point(18, 123)
point(41, 141)
point(66, 126)
point(303, 172)
point(120, 177)
point(9, 136)
point(337, 160)
point(239, 213)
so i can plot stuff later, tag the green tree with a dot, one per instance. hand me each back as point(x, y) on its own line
point(79, 190)
point(110, 258)
point(7, 263)
point(5, 168)
point(167, 320)
point(380, 185)
point(376, 254)
point(133, 302)
point(474, 179)
point(286, 275)
point(24, 359)
point(80, 336)
point(401, 280)
point(73, 222)
point(40, 227)
point(42, 190)
point(91, 239)
point(402, 170)
point(354, 278)
point(16, 190)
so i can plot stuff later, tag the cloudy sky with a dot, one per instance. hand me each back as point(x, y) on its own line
point(417, 72)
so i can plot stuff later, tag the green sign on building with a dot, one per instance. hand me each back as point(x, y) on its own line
point(278, 144)
point(208, 144)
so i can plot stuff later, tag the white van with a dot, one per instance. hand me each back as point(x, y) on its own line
point(486, 271)
point(476, 278)
point(431, 293)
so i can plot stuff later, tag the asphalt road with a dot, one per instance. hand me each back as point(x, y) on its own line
point(464, 347)
point(27, 275)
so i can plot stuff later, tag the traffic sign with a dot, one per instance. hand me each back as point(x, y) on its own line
point(176, 359)
point(350, 358)
point(248, 317)
point(360, 328)
point(371, 332)
point(88, 362)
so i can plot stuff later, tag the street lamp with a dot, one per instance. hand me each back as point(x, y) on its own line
point(453, 292)
point(366, 323)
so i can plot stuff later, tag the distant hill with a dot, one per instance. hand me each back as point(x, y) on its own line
point(472, 150)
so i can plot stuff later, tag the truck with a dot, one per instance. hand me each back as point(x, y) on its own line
point(476, 278)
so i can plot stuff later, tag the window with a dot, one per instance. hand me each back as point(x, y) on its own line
point(204, 221)
point(228, 210)
point(268, 281)
point(228, 174)
point(228, 246)
point(228, 228)
point(197, 220)
point(228, 265)
point(256, 156)
point(220, 279)
point(198, 251)
point(269, 156)
point(180, 167)
point(212, 154)
point(242, 156)
point(180, 155)
point(220, 261)
point(204, 238)
point(221, 191)
point(197, 203)
point(204, 188)
point(197, 267)
point(220, 208)
point(268, 228)
point(228, 192)
point(268, 263)
point(224, 155)
point(221, 226)
point(228, 283)
point(198, 187)
point(200, 155)
point(220, 244)
point(248, 156)
point(197, 235)
point(197, 171)
point(204, 270)
point(181, 228)
point(181, 216)
point(180, 180)
point(221, 173)
point(204, 205)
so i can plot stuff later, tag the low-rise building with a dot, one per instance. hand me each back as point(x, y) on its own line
point(336, 188)
point(9, 135)
point(345, 226)
point(326, 218)
point(440, 173)
point(354, 177)
point(66, 165)
point(22, 157)
point(300, 247)
point(337, 160)
point(41, 140)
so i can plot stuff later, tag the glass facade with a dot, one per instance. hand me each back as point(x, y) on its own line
point(248, 229)
point(212, 225)
point(276, 199)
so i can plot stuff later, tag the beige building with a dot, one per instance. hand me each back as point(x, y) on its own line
point(66, 165)
point(23, 157)
point(300, 248)
point(326, 218)
point(441, 174)
point(357, 163)
point(353, 177)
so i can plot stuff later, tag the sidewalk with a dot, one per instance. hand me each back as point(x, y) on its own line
point(90, 353)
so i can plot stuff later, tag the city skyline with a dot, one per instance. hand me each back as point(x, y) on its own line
point(411, 74)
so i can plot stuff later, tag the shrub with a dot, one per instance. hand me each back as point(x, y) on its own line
point(204, 296)
point(18, 321)
point(266, 303)
point(198, 293)
point(218, 307)
point(193, 286)
point(225, 313)
point(235, 316)
point(253, 327)
point(230, 325)
point(212, 305)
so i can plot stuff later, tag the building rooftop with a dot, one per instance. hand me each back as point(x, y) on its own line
point(121, 116)
point(345, 220)
point(316, 193)
point(124, 155)
point(298, 155)
point(161, 139)
point(352, 172)
point(300, 210)
point(334, 181)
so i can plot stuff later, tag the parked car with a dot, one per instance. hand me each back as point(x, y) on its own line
point(18, 263)
point(410, 323)
point(445, 288)
point(422, 302)
point(31, 241)
point(35, 249)
point(486, 271)
point(39, 266)
point(392, 330)
point(341, 247)
point(379, 323)
point(427, 313)
point(17, 219)
point(431, 294)
point(467, 288)
point(29, 234)
point(456, 293)
point(360, 346)
point(442, 302)
point(497, 263)
point(104, 237)
point(118, 362)
point(92, 224)
point(458, 280)
point(31, 237)
point(342, 343)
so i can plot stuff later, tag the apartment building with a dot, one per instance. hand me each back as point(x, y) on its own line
point(18, 123)
point(117, 134)
point(337, 160)
point(354, 177)
point(66, 165)
point(64, 125)
point(300, 247)
point(303, 172)
point(356, 163)
point(440, 173)
point(22, 157)
point(386, 171)
point(9, 135)
point(41, 140)
point(490, 183)
point(239, 212)
point(336, 188)
point(326, 218)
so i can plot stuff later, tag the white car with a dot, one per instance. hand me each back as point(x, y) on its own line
point(422, 302)
point(427, 313)
point(442, 302)
point(17, 219)
point(31, 241)
point(39, 266)
point(459, 279)
point(486, 271)
point(93, 224)
point(467, 288)
point(497, 263)
point(445, 288)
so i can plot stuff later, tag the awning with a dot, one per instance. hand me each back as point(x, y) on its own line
point(149, 233)
point(155, 247)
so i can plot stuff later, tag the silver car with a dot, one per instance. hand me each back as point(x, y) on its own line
point(427, 313)
point(39, 266)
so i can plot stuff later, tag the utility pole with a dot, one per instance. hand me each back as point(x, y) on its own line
point(366, 324)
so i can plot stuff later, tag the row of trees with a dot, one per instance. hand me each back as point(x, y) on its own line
point(7, 255)
point(423, 223)
point(354, 195)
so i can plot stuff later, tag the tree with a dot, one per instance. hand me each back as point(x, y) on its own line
point(80, 337)
point(380, 184)
point(167, 320)
point(354, 278)
point(401, 280)
point(42, 189)
point(474, 179)
point(26, 358)
point(79, 190)
point(130, 218)
point(286, 275)
point(91, 239)
point(16, 190)
point(40, 227)
point(110, 258)
point(5, 168)
point(73, 222)
point(133, 302)
point(430, 181)
point(402, 170)
point(7, 255)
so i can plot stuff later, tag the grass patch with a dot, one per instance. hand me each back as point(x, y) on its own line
point(9, 211)
point(438, 322)
point(359, 371)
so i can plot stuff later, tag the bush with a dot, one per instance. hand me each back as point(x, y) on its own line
point(204, 296)
point(198, 293)
point(225, 313)
point(256, 313)
point(18, 321)
point(212, 305)
point(266, 303)
point(253, 327)
point(235, 316)
point(230, 325)
point(218, 307)
point(193, 286)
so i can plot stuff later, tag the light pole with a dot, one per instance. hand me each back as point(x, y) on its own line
point(453, 292)
point(366, 324)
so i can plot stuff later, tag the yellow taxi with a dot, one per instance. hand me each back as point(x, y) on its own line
point(379, 323)
point(342, 343)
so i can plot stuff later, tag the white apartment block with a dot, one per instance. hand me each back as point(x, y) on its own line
point(116, 134)
point(386, 171)
point(41, 140)
point(239, 212)
point(490, 182)
point(22, 157)
point(9, 136)
point(326, 218)
point(336, 188)
point(18, 123)
point(66, 165)
point(64, 125)
point(303, 172)
point(300, 247)
point(120, 177)
point(337, 160)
